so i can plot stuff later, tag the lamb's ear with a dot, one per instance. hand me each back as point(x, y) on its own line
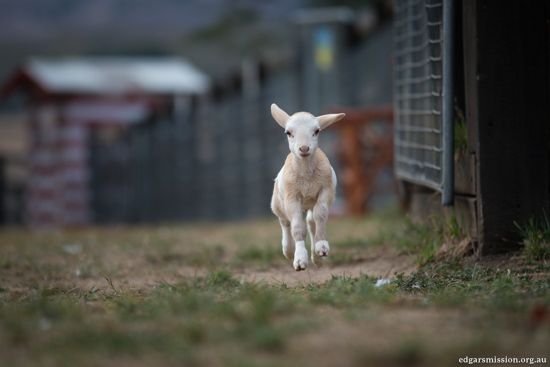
point(326, 120)
point(279, 115)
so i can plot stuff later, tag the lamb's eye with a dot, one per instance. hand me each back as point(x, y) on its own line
point(317, 131)
point(288, 133)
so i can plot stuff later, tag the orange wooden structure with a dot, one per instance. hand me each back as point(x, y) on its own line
point(365, 149)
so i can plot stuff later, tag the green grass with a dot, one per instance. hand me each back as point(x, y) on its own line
point(536, 238)
point(217, 313)
point(423, 240)
point(452, 228)
point(420, 240)
point(259, 254)
point(495, 289)
point(461, 133)
point(177, 296)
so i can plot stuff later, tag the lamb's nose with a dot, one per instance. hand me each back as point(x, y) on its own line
point(304, 149)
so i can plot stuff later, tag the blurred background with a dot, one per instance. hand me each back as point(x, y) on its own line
point(117, 111)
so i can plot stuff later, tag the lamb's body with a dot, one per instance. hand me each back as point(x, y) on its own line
point(306, 183)
point(303, 182)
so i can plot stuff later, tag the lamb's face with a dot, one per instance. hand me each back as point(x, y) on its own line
point(302, 130)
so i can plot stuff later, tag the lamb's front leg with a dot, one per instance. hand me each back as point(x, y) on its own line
point(298, 228)
point(320, 216)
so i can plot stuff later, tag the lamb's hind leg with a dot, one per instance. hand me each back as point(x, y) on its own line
point(288, 242)
point(277, 208)
point(299, 231)
point(317, 260)
point(320, 216)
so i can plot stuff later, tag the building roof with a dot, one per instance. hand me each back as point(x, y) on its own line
point(116, 75)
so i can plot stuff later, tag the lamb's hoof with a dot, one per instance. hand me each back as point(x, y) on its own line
point(322, 248)
point(317, 260)
point(300, 260)
point(300, 264)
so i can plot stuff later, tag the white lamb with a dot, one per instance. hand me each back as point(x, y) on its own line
point(306, 182)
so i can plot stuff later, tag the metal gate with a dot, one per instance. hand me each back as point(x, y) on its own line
point(423, 94)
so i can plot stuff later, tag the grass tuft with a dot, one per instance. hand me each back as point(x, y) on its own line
point(536, 238)
point(461, 133)
point(441, 237)
point(221, 277)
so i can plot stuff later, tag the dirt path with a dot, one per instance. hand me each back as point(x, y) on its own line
point(141, 257)
point(378, 263)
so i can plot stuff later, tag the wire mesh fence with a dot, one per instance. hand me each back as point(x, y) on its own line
point(418, 91)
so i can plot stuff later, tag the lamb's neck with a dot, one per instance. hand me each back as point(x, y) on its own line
point(305, 164)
